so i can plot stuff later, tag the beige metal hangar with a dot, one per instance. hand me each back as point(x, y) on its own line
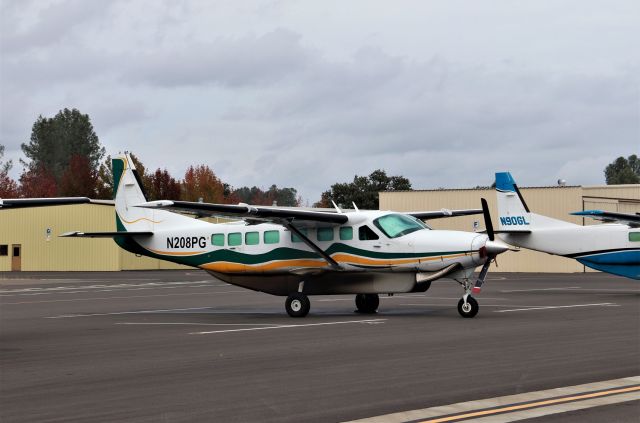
point(29, 241)
point(556, 201)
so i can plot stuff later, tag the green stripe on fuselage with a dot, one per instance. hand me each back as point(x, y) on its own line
point(277, 254)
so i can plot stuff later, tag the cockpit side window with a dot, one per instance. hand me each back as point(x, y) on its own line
point(365, 233)
point(396, 225)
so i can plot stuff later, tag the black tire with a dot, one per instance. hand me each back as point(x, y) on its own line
point(367, 303)
point(297, 305)
point(470, 310)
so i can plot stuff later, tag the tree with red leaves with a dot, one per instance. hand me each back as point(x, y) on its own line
point(79, 179)
point(38, 182)
point(163, 186)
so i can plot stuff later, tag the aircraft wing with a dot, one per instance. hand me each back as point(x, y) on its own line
point(633, 220)
point(76, 234)
point(15, 203)
point(280, 215)
point(426, 215)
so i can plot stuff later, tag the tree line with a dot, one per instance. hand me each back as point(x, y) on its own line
point(65, 159)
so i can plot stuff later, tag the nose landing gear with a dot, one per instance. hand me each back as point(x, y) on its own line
point(468, 306)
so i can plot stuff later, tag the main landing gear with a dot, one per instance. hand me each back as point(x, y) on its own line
point(367, 303)
point(297, 305)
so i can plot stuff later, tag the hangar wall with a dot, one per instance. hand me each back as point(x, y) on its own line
point(39, 251)
point(557, 202)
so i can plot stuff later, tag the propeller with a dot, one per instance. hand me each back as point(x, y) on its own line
point(487, 220)
point(491, 248)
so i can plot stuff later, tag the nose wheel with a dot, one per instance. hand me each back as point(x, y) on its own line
point(297, 305)
point(468, 307)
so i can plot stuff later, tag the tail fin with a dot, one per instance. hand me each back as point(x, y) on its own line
point(127, 193)
point(514, 214)
point(510, 200)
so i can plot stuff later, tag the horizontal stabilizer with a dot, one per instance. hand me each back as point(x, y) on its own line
point(633, 220)
point(103, 234)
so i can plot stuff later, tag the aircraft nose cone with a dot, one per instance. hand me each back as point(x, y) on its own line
point(495, 247)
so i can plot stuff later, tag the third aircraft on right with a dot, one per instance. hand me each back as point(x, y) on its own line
point(613, 247)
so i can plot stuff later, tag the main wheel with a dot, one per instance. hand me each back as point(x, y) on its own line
point(367, 303)
point(470, 309)
point(297, 305)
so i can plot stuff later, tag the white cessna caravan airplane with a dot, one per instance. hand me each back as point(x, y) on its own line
point(295, 252)
point(612, 248)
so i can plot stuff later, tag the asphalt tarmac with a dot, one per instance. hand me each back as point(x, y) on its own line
point(172, 346)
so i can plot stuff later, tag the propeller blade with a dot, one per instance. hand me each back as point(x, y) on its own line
point(487, 219)
point(483, 275)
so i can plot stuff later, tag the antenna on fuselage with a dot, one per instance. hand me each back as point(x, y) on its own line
point(336, 207)
point(354, 206)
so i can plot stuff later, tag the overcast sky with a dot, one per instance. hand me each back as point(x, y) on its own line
point(309, 93)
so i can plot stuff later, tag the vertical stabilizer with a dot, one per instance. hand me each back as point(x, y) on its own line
point(514, 214)
point(127, 193)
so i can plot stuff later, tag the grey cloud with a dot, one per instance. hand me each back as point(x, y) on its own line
point(53, 23)
point(308, 105)
point(233, 62)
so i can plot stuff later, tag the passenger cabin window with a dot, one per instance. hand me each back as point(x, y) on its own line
point(234, 239)
point(4, 250)
point(633, 237)
point(252, 238)
point(397, 225)
point(271, 237)
point(365, 233)
point(346, 233)
point(325, 234)
point(296, 238)
point(217, 240)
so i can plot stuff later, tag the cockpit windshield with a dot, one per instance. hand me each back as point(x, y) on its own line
point(397, 225)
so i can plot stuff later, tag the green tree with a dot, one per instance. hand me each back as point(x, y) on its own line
point(623, 171)
point(286, 197)
point(55, 140)
point(363, 191)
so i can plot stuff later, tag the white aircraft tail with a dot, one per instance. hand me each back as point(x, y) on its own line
point(513, 213)
point(128, 193)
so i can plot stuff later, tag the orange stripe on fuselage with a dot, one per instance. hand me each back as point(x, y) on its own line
point(225, 266)
point(349, 258)
point(176, 253)
point(230, 267)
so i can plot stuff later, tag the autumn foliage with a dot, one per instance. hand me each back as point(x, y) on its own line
point(38, 182)
point(79, 179)
point(163, 186)
point(201, 184)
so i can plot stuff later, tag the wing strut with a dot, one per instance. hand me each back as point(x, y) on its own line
point(313, 246)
